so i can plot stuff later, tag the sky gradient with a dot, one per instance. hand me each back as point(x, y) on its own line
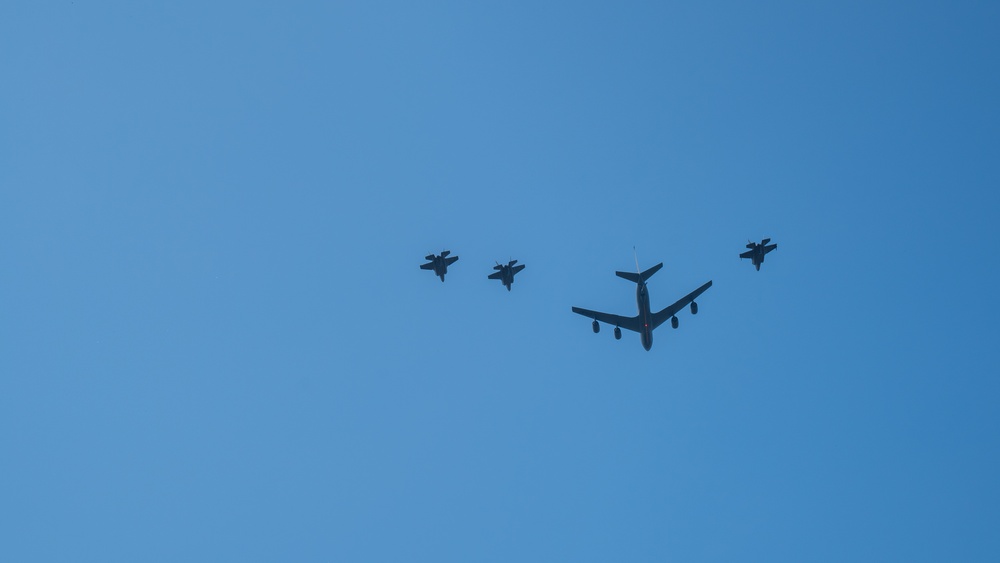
point(216, 343)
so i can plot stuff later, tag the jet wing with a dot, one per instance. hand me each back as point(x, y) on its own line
point(662, 316)
point(494, 276)
point(769, 248)
point(517, 269)
point(629, 323)
point(747, 254)
point(427, 266)
point(451, 260)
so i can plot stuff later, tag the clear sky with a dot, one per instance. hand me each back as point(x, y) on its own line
point(216, 344)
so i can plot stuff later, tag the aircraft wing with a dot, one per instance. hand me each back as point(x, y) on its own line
point(427, 266)
point(747, 254)
point(769, 248)
point(630, 323)
point(494, 276)
point(662, 316)
point(451, 260)
point(517, 269)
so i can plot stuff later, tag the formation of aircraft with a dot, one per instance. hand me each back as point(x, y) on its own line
point(645, 322)
point(757, 251)
point(505, 273)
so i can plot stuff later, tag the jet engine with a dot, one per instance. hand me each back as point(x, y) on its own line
point(618, 333)
point(694, 308)
point(674, 322)
point(596, 327)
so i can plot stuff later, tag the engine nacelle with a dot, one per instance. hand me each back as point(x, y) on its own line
point(596, 327)
point(618, 333)
point(694, 308)
point(674, 322)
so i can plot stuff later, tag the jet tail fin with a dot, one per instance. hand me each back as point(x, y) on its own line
point(642, 277)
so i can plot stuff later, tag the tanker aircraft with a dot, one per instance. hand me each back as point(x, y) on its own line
point(645, 321)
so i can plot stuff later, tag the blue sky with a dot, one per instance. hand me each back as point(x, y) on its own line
point(216, 343)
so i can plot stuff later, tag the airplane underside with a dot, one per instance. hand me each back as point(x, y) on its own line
point(646, 321)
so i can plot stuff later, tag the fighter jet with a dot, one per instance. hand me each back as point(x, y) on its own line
point(645, 321)
point(505, 273)
point(757, 251)
point(439, 263)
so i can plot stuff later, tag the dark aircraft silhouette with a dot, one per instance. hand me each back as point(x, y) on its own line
point(645, 321)
point(439, 263)
point(757, 251)
point(505, 273)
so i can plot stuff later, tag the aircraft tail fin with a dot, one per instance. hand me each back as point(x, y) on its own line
point(641, 277)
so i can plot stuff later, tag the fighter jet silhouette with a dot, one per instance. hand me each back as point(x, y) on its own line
point(505, 273)
point(439, 263)
point(757, 251)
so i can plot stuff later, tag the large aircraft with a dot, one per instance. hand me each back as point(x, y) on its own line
point(439, 263)
point(505, 273)
point(757, 251)
point(645, 321)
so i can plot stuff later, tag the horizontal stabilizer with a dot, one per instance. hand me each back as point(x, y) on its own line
point(640, 278)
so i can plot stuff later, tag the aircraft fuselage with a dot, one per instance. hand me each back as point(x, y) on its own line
point(757, 251)
point(642, 302)
point(440, 268)
point(507, 277)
